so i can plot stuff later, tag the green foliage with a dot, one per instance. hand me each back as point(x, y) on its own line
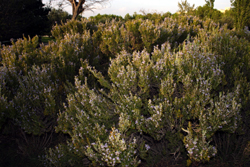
point(206, 11)
point(21, 55)
point(34, 101)
point(235, 57)
point(72, 27)
point(29, 88)
point(227, 18)
point(58, 16)
point(241, 9)
point(133, 35)
point(63, 156)
point(105, 18)
point(149, 34)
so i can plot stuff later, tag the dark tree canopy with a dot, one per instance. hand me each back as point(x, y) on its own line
point(22, 17)
point(56, 16)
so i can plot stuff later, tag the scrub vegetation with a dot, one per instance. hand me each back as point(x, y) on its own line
point(147, 90)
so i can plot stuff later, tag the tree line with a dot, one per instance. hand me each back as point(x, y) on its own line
point(32, 17)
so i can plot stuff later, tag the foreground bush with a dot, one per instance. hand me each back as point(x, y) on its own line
point(164, 96)
point(128, 93)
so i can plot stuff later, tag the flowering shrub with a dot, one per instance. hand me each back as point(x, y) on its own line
point(116, 151)
point(151, 95)
point(32, 105)
point(176, 30)
point(34, 102)
point(111, 38)
point(226, 44)
point(149, 34)
point(177, 81)
point(27, 90)
point(67, 54)
point(73, 27)
point(21, 55)
point(134, 35)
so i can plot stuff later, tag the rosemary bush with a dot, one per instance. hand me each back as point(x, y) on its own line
point(157, 96)
point(120, 89)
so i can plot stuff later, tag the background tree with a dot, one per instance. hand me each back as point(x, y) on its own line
point(210, 3)
point(23, 17)
point(208, 11)
point(79, 6)
point(241, 10)
point(58, 16)
point(105, 18)
point(185, 7)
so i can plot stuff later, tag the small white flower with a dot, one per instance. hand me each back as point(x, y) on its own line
point(147, 147)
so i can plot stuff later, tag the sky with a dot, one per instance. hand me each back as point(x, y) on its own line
point(122, 7)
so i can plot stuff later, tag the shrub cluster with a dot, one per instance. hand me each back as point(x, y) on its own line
point(120, 90)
